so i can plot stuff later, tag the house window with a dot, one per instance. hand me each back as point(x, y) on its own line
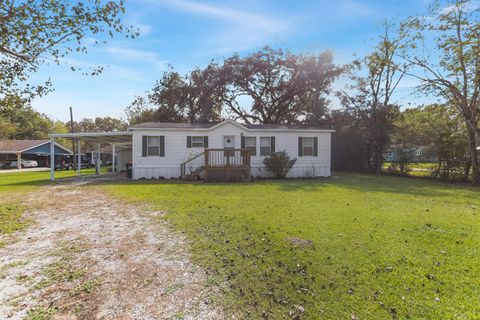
point(153, 146)
point(390, 154)
point(307, 144)
point(197, 142)
point(419, 152)
point(251, 145)
point(265, 146)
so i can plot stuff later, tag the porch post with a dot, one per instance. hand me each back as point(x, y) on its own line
point(113, 157)
point(97, 170)
point(19, 160)
point(52, 158)
point(79, 158)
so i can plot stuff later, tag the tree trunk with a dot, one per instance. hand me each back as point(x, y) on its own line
point(369, 158)
point(474, 156)
point(466, 173)
point(379, 162)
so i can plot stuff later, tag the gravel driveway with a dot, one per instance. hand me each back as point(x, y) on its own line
point(88, 256)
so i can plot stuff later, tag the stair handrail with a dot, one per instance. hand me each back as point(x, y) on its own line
point(183, 164)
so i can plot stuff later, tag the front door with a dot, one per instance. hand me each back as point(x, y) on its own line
point(229, 145)
point(229, 142)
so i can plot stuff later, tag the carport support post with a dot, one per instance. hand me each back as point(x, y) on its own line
point(52, 159)
point(113, 157)
point(97, 170)
point(79, 158)
point(19, 160)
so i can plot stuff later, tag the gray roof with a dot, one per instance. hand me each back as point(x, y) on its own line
point(20, 145)
point(281, 126)
point(173, 125)
point(182, 125)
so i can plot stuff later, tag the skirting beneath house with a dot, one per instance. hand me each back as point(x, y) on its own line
point(226, 174)
point(255, 171)
point(295, 172)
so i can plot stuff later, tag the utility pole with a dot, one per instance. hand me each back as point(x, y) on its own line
point(73, 140)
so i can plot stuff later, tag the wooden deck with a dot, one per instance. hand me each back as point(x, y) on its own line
point(221, 165)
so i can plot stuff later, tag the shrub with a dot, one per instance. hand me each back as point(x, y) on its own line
point(402, 165)
point(456, 169)
point(279, 164)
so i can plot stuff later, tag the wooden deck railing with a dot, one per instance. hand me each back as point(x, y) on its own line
point(218, 159)
point(227, 158)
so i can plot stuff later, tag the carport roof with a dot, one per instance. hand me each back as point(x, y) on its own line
point(99, 137)
point(16, 146)
point(37, 147)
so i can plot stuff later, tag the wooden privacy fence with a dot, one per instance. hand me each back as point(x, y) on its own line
point(222, 165)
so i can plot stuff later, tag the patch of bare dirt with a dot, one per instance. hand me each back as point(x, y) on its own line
point(299, 242)
point(88, 256)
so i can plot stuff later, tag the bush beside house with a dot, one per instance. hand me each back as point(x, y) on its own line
point(279, 164)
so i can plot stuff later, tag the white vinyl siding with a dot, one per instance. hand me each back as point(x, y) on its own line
point(251, 145)
point(153, 146)
point(177, 151)
point(265, 146)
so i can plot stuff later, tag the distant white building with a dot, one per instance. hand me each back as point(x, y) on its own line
point(416, 153)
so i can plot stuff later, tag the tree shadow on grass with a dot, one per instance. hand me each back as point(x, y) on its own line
point(378, 184)
point(349, 181)
point(346, 181)
point(24, 181)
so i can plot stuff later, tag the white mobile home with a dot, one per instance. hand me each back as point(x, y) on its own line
point(172, 150)
point(159, 148)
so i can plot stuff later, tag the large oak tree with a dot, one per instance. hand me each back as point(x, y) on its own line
point(268, 86)
point(276, 86)
point(194, 97)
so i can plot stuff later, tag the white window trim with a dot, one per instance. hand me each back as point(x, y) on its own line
point(313, 147)
point(251, 146)
point(148, 145)
point(269, 145)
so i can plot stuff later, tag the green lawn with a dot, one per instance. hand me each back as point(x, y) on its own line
point(381, 247)
point(19, 182)
point(418, 165)
point(423, 170)
point(11, 219)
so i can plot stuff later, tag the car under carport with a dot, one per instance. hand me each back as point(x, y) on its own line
point(121, 143)
point(38, 150)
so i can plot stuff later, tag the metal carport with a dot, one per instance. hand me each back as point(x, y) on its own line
point(118, 139)
point(38, 148)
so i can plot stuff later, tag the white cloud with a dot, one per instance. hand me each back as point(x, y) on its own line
point(224, 13)
point(111, 71)
point(119, 72)
point(240, 29)
point(141, 27)
point(352, 8)
point(136, 55)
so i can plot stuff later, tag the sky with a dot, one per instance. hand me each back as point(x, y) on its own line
point(190, 33)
